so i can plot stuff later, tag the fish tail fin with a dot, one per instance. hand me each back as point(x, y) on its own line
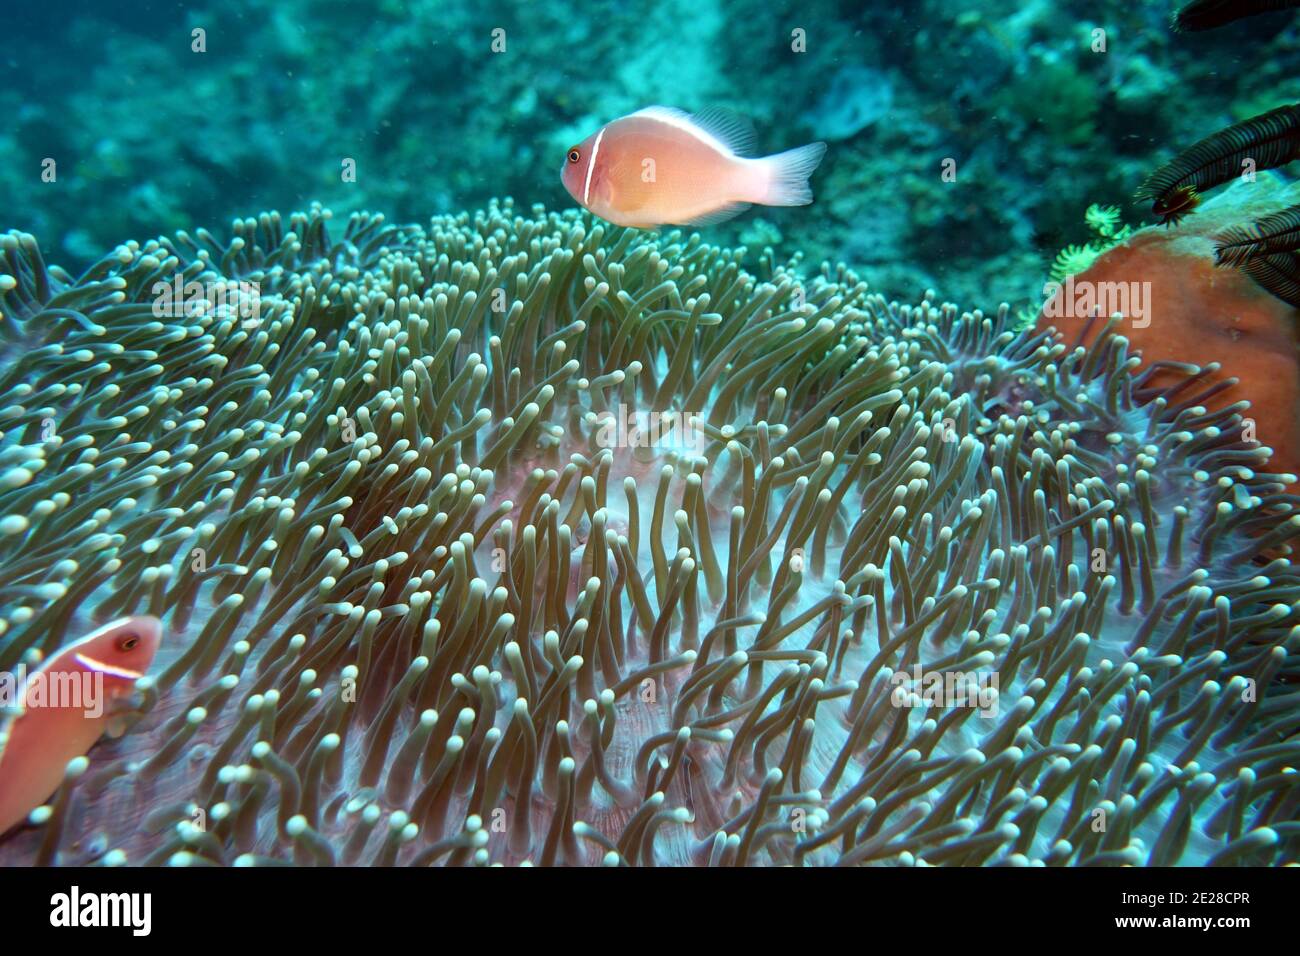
point(787, 175)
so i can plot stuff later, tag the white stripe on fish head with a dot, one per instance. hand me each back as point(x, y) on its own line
point(108, 670)
point(591, 164)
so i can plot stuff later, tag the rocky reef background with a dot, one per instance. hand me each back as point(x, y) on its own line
point(150, 136)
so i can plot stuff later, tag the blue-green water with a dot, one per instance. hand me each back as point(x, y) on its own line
point(150, 136)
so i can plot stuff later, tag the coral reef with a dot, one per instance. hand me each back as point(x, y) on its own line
point(857, 97)
point(433, 594)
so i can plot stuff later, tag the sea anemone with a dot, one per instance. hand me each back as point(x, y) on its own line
point(523, 539)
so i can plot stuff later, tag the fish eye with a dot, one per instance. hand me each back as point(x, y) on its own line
point(574, 155)
point(128, 643)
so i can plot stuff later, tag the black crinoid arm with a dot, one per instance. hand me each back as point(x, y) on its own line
point(1209, 14)
point(1278, 233)
point(1266, 141)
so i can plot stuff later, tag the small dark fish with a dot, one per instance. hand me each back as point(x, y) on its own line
point(1264, 142)
point(1208, 14)
point(1277, 233)
point(1279, 274)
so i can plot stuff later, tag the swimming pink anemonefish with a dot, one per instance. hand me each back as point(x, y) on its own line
point(661, 166)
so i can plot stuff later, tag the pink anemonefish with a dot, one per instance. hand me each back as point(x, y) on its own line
point(37, 745)
point(660, 165)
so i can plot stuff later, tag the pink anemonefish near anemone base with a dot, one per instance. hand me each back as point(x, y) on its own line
point(661, 166)
point(67, 705)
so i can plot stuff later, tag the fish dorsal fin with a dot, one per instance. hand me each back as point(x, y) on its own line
point(718, 126)
point(736, 132)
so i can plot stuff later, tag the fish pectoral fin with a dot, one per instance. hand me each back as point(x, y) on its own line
point(602, 191)
point(721, 214)
point(121, 717)
point(123, 713)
